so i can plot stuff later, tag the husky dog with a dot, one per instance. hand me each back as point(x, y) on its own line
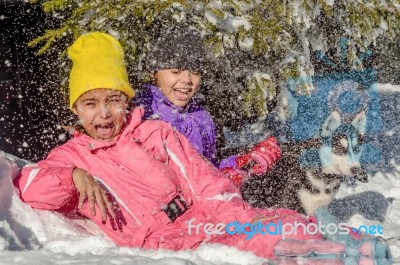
point(309, 173)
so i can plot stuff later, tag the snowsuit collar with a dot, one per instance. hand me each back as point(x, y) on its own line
point(133, 120)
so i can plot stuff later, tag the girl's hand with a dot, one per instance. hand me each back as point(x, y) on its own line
point(88, 187)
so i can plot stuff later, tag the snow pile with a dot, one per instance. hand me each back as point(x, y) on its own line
point(389, 185)
point(48, 238)
point(29, 236)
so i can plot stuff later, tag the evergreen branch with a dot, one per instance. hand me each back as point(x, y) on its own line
point(278, 33)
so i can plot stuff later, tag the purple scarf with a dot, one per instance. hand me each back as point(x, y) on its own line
point(193, 120)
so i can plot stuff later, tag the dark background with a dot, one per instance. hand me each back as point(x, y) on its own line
point(29, 84)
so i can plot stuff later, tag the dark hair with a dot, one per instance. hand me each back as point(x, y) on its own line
point(177, 47)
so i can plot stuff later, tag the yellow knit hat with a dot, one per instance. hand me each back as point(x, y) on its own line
point(98, 62)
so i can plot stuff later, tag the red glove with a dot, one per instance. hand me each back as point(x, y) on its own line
point(261, 158)
point(236, 175)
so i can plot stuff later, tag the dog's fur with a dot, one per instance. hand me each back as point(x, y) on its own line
point(302, 185)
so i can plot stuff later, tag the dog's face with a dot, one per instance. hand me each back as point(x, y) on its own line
point(342, 146)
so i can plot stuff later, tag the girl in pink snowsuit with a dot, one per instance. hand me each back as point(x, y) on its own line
point(140, 181)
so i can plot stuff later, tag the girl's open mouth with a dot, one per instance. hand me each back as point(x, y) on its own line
point(105, 130)
point(182, 94)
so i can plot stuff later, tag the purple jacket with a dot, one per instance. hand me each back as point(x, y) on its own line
point(193, 120)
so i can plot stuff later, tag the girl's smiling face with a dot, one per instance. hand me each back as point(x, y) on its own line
point(178, 85)
point(101, 113)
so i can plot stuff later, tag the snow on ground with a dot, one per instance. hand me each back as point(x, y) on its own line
point(389, 185)
point(36, 237)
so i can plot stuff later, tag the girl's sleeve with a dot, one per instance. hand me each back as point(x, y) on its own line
point(48, 184)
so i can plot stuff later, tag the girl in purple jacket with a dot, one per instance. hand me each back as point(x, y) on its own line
point(176, 62)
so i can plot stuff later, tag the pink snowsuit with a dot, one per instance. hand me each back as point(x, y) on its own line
point(144, 169)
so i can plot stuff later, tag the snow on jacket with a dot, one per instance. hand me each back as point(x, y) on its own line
point(143, 169)
point(193, 120)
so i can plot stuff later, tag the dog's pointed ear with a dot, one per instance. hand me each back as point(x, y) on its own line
point(331, 124)
point(360, 122)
